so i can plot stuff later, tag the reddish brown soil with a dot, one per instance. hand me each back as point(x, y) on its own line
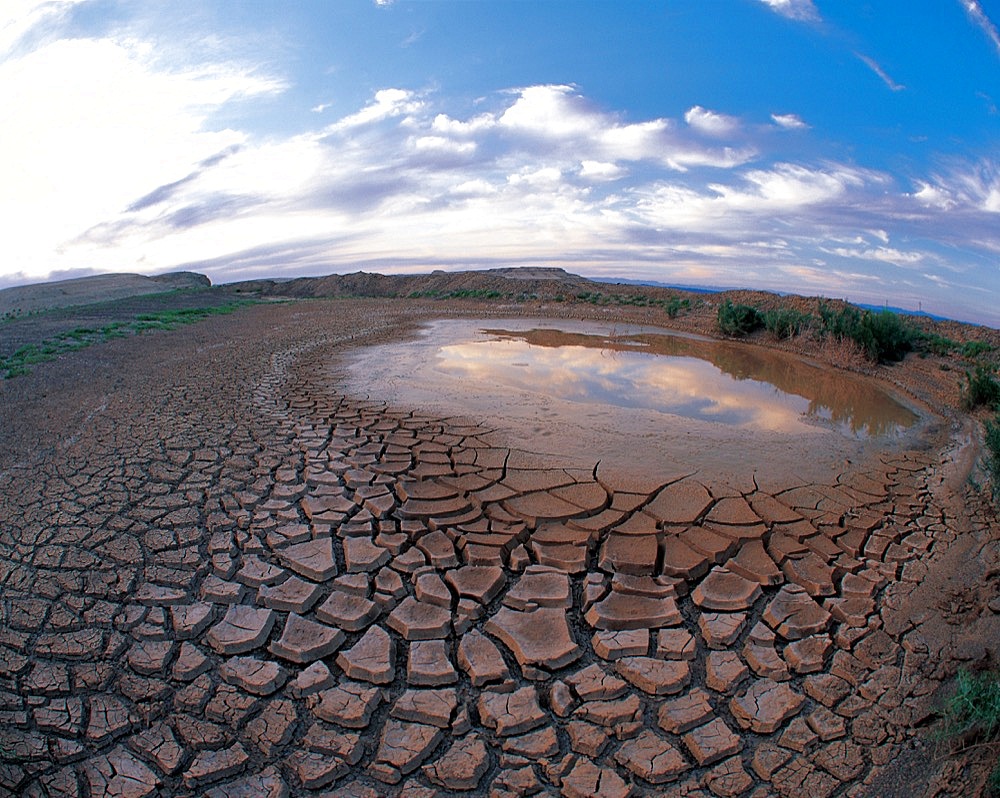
point(135, 472)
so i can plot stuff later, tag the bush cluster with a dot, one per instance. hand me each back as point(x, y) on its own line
point(981, 389)
point(882, 336)
point(739, 320)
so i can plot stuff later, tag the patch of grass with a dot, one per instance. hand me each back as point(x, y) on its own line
point(981, 389)
point(738, 320)
point(19, 363)
point(973, 714)
point(935, 344)
point(973, 349)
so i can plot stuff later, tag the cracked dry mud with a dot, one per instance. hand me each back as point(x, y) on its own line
point(234, 580)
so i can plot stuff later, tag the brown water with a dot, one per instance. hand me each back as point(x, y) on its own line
point(578, 388)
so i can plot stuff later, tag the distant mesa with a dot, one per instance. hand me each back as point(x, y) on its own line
point(541, 280)
point(23, 299)
point(523, 273)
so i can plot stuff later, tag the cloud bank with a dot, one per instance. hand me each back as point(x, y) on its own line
point(118, 162)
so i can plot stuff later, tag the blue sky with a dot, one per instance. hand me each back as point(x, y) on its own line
point(845, 149)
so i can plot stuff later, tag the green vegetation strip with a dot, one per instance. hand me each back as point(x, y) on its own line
point(20, 362)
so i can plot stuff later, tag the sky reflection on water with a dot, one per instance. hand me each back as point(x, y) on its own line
point(678, 375)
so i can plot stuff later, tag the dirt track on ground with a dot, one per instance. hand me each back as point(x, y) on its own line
point(219, 574)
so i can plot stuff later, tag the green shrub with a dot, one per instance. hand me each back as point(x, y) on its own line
point(882, 336)
point(981, 389)
point(784, 322)
point(885, 336)
point(675, 305)
point(844, 323)
point(738, 320)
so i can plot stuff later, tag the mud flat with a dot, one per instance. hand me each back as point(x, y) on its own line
point(235, 570)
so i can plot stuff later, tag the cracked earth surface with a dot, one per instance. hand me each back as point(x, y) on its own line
point(234, 580)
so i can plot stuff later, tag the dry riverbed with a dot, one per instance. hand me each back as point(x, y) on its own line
point(224, 573)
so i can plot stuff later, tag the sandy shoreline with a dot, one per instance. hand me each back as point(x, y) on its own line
point(493, 622)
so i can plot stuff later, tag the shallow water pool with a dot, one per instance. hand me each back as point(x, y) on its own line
point(579, 387)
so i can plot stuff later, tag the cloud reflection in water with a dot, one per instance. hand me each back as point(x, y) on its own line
point(693, 378)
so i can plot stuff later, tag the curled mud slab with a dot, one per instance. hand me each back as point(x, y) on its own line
point(234, 579)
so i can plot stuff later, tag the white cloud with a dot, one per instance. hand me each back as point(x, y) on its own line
point(934, 197)
point(974, 188)
point(19, 17)
point(558, 115)
point(985, 24)
point(789, 186)
point(882, 254)
point(388, 103)
point(546, 177)
point(115, 162)
point(478, 187)
point(711, 123)
point(789, 121)
point(801, 10)
point(875, 67)
point(600, 170)
point(98, 124)
point(443, 144)
point(455, 127)
point(551, 112)
point(769, 198)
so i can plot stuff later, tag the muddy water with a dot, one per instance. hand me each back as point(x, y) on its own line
point(638, 398)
